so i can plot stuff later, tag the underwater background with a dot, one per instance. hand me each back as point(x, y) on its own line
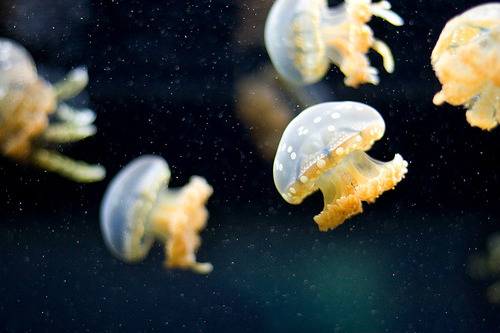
point(162, 81)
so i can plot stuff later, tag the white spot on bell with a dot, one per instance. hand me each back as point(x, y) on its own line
point(321, 164)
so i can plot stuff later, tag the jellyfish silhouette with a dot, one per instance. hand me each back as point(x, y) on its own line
point(466, 60)
point(137, 208)
point(324, 147)
point(27, 100)
point(304, 36)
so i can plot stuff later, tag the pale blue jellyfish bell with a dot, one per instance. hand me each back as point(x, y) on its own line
point(304, 36)
point(137, 208)
point(324, 148)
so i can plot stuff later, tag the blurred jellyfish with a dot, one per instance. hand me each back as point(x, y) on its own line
point(137, 208)
point(466, 60)
point(324, 147)
point(27, 100)
point(486, 266)
point(265, 104)
point(304, 36)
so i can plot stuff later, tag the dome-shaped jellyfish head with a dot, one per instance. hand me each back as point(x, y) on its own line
point(17, 67)
point(303, 37)
point(324, 147)
point(126, 205)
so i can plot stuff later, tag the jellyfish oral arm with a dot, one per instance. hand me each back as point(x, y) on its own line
point(357, 178)
point(176, 219)
point(383, 10)
point(484, 112)
point(77, 117)
point(72, 84)
point(78, 171)
point(353, 38)
point(64, 133)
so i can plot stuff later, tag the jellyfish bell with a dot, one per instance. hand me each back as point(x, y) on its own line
point(137, 208)
point(466, 59)
point(17, 67)
point(303, 37)
point(125, 207)
point(27, 101)
point(324, 148)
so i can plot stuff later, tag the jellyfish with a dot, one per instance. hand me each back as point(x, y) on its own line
point(27, 100)
point(466, 60)
point(324, 147)
point(486, 266)
point(302, 37)
point(265, 104)
point(137, 208)
point(262, 111)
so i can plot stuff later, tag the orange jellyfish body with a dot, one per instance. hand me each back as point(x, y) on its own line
point(26, 101)
point(466, 60)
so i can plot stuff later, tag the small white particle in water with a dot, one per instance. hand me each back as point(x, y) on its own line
point(293, 155)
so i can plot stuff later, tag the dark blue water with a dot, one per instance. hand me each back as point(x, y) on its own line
point(162, 77)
